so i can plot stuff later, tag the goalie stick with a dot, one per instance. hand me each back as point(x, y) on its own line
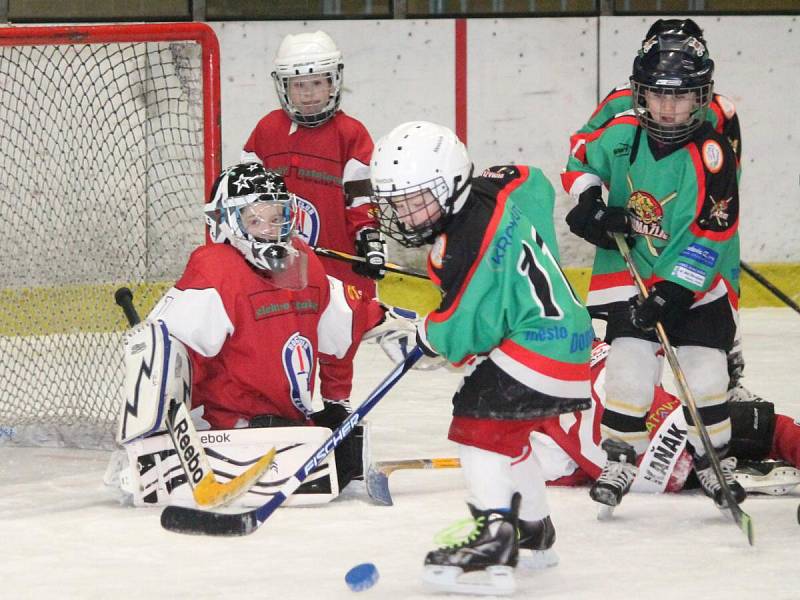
point(192, 521)
point(206, 490)
point(741, 518)
point(377, 478)
point(350, 258)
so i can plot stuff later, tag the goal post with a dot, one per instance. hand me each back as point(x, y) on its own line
point(109, 146)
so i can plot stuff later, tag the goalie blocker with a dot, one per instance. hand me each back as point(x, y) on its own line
point(151, 473)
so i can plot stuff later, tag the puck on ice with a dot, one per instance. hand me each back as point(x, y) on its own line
point(361, 577)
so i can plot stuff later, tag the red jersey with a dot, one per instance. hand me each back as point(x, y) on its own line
point(318, 165)
point(254, 346)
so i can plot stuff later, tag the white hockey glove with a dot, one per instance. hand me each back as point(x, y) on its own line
point(397, 336)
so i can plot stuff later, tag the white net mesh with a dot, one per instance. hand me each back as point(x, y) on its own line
point(101, 154)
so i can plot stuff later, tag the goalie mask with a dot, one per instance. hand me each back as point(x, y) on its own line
point(251, 209)
point(421, 176)
point(672, 86)
point(308, 77)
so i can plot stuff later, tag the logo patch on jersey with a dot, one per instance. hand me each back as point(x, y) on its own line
point(499, 172)
point(689, 273)
point(308, 221)
point(647, 215)
point(298, 365)
point(719, 211)
point(353, 292)
point(622, 149)
point(701, 254)
point(712, 156)
point(436, 255)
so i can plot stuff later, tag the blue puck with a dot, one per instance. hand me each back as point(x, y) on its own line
point(361, 577)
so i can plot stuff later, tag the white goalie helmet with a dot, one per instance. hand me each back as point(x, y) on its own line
point(310, 64)
point(421, 176)
point(251, 209)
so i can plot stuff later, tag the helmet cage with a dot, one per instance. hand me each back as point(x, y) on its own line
point(282, 76)
point(673, 133)
point(394, 215)
point(226, 218)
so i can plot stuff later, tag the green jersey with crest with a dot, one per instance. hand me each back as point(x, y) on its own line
point(504, 294)
point(684, 205)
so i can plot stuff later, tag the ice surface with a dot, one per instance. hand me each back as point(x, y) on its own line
point(63, 536)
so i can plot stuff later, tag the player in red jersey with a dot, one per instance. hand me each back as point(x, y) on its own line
point(256, 311)
point(323, 155)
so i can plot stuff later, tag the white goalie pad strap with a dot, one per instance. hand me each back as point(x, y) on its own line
point(154, 476)
point(157, 370)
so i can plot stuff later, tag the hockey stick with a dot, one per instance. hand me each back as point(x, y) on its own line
point(741, 518)
point(207, 491)
point(377, 478)
point(189, 520)
point(344, 257)
point(767, 284)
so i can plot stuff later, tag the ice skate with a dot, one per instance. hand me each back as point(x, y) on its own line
point(537, 537)
point(710, 484)
point(616, 478)
point(482, 563)
point(774, 477)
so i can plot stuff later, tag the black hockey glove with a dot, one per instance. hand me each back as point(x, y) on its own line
point(371, 245)
point(666, 303)
point(592, 220)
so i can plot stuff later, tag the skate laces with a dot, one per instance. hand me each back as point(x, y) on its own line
point(457, 535)
point(618, 473)
point(709, 480)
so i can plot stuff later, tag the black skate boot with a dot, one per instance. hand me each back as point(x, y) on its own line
point(617, 476)
point(774, 477)
point(710, 484)
point(483, 562)
point(538, 537)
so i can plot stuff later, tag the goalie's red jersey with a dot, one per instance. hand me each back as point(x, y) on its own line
point(254, 346)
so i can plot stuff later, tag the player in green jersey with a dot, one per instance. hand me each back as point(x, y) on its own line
point(672, 190)
point(722, 116)
point(509, 314)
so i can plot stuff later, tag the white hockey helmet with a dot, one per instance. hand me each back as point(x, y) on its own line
point(304, 55)
point(421, 176)
point(251, 209)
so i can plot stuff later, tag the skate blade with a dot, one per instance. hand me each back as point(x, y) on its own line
point(493, 581)
point(605, 512)
point(538, 559)
point(777, 482)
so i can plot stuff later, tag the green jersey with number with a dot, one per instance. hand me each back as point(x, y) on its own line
point(504, 294)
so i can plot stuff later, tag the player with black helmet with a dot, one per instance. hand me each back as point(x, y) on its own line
point(721, 113)
point(672, 191)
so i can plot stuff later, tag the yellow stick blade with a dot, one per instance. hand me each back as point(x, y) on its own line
point(209, 493)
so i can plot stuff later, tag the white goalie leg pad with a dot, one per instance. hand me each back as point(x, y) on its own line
point(157, 370)
point(155, 476)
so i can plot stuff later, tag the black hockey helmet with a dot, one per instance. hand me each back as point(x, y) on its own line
point(685, 27)
point(672, 64)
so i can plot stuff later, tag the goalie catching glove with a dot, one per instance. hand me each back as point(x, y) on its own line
point(371, 246)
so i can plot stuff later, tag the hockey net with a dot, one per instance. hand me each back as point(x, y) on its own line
point(109, 142)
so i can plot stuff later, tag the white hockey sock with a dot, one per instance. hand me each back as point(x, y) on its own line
point(488, 477)
point(526, 473)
